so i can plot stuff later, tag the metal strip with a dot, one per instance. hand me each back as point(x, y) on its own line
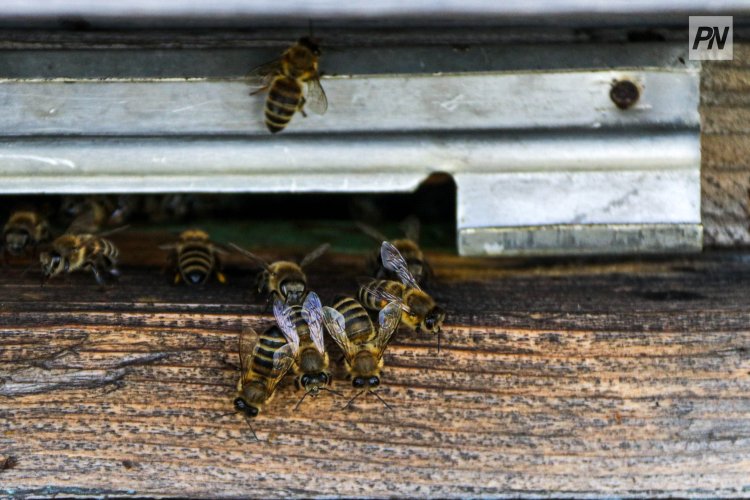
point(609, 239)
point(358, 104)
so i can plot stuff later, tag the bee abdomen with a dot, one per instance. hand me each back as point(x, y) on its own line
point(283, 100)
point(195, 263)
point(269, 342)
point(358, 324)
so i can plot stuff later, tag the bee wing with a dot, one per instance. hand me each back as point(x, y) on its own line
point(394, 261)
point(316, 100)
point(336, 325)
point(410, 227)
point(247, 341)
point(388, 321)
point(283, 359)
point(250, 256)
point(282, 314)
point(168, 246)
point(261, 76)
point(371, 232)
point(312, 312)
point(382, 295)
point(314, 254)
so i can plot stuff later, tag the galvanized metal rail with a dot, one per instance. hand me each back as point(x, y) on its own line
point(548, 153)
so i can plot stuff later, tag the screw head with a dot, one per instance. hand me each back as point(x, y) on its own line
point(624, 93)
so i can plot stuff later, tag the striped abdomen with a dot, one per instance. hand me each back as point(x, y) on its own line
point(283, 100)
point(369, 295)
point(359, 327)
point(269, 342)
point(196, 262)
point(102, 248)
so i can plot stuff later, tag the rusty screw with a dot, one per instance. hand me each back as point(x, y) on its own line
point(624, 93)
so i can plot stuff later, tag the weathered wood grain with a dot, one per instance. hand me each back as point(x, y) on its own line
point(584, 378)
point(725, 114)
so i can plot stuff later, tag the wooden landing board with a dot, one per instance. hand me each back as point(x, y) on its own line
point(627, 378)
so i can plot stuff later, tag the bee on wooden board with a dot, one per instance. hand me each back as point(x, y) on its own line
point(24, 231)
point(419, 310)
point(311, 364)
point(195, 258)
point(81, 252)
point(283, 279)
point(361, 342)
point(264, 360)
point(286, 80)
point(408, 247)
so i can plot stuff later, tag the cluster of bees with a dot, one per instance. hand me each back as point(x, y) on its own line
point(361, 326)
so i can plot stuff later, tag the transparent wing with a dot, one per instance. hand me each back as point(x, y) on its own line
point(282, 313)
point(283, 359)
point(314, 254)
point(371, 232)
point(316, 100)
point(410, 227)
point(312, 312)
point(336, 325)
point(394, 261)
point(369, 285)
point(262, 263)
point(388, 321)
point(248, 341)
point(262, 76)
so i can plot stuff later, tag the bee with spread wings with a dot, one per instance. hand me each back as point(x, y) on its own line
point(408, 247)
point(418, 309)
point(286, 80)
point(361, 342)
point(305, 322)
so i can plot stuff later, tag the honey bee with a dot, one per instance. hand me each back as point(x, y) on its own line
point(23, 231)
point(362, 344)
point(90, 213)
point(311, 365)
point(419, 311)
point(283, 279)
point(264, 360)
point(285, 79)
point(408, 247)
point(79, 252)
point(195, 258)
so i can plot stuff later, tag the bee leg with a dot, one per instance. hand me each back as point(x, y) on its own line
point(98, 275)
point(261, 89)
point(301, 107)
point(177, 279)
point(221, 277)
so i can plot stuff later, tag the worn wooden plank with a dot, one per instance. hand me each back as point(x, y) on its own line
point(585, 378)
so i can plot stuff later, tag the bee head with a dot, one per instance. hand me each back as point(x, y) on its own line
point(242, 406)
point(433, 320)
point(51, 263)
point(311, 44)
point(362, 382)
point(16, 240)
point(293, 290)
point(312, 382)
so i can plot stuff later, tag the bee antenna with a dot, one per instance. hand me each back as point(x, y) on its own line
point(381, 399)
point(438, 340)
point(300, 400)
point(332, 391)
point(352, 400)
point(309, 26)
point(247, 420)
